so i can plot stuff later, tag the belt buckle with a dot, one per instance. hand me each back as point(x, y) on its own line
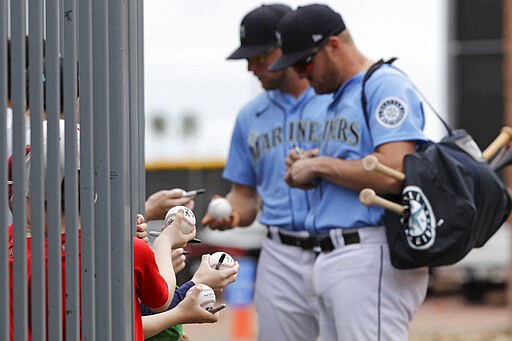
point(305, 243)
point(325, 243)
point(351, 238)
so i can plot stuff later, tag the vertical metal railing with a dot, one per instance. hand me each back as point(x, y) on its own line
point(69, 18)
point(102, 210)
point(18, 95)
point(87, 193)
point(4, 261)
point(54, 204)
point(136, 34)
point(84, 65)
point(122, 248)
point(35, 91)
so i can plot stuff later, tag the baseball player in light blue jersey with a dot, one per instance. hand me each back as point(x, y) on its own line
point(361, 296)
point(286, 116)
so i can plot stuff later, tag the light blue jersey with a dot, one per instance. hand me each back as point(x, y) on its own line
point(266, 129)
point(395, 113)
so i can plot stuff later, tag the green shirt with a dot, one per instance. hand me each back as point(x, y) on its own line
point(170, 334)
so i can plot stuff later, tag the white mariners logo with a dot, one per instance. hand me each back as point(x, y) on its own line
point(316, 37)
point(391, 112)
point(420, 223)
point(278, 37)
point(242, 31)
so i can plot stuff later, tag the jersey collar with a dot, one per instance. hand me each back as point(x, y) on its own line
point(352, 81)
point(288, 100)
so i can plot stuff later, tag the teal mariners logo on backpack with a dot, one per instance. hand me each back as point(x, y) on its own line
point(420, 223)
point(391, 112)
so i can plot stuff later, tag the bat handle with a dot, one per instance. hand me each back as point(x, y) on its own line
point(368, 197)
point(371, 163)
point(500, 141)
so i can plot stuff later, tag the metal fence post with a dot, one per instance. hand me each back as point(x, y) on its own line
point(87, 192)
point(37, 230)
point(18, 32)
point(102, 209)
point(4, 264)
point(122, 220)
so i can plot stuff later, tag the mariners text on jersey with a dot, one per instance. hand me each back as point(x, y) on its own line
point(338, 129)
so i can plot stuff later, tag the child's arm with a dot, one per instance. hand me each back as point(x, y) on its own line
point(187, 311)
point(179, 295)
point(170, 237)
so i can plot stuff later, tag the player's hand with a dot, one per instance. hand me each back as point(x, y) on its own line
point(178, 259)
point(173, 233)
point(300, 174)
point(294, 155)
point(141, 228)
point(221, 223)
point(190, 310)
point(160, 202)
point(215, 279)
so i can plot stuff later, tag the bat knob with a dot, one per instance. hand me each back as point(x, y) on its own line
point(370, 162)
point(367, 196)
point(507, 130)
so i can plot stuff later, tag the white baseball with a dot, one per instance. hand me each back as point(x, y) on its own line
point(219, 208)
point(188, 224)
point(206, 297)
point(227, 261)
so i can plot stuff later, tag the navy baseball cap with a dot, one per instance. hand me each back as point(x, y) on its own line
point(258, 30)
point(304, 29)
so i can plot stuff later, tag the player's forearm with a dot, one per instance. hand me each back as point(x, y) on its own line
point(247, 205)
point(350, 174)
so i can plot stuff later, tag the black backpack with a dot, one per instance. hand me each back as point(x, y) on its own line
point(453, 200)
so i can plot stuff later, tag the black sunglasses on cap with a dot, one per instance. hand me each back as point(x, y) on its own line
point(306, 64)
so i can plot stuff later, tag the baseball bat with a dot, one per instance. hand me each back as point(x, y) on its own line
point(371, 163)
point(502, 159)
point(368, 197)
point(502, 139)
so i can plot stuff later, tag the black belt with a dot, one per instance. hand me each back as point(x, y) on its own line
point(323, 242)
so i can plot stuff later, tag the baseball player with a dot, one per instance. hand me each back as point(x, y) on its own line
point(362, 297)
point(285, 116)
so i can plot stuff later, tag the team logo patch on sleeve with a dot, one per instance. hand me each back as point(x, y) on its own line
point(419, 222)
point(391, 112)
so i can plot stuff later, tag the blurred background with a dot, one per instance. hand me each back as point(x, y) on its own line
point(457, 52)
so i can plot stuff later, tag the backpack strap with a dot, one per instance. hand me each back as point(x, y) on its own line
point(364, 102)
point(367, 75)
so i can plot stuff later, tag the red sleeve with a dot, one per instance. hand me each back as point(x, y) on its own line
point(150, 287)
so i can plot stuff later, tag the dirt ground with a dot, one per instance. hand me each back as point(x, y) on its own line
point(440, 318)
point(452, 318)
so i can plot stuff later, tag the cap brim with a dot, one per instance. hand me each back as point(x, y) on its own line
point(287, 60)
point(248, 51)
